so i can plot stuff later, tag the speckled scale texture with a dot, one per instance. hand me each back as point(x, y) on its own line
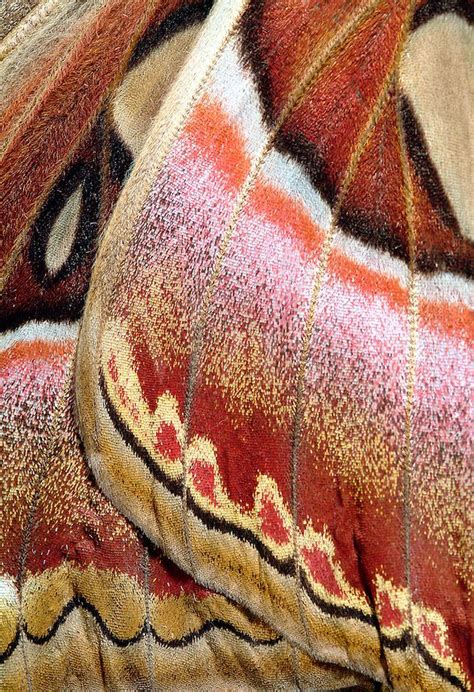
point(236, 345)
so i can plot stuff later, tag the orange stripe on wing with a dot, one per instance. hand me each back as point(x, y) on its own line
point(218, 137)
point(35, 350)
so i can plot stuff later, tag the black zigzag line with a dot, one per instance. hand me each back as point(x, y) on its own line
point(181, 642)
point(212, 522)
point(344, 612)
